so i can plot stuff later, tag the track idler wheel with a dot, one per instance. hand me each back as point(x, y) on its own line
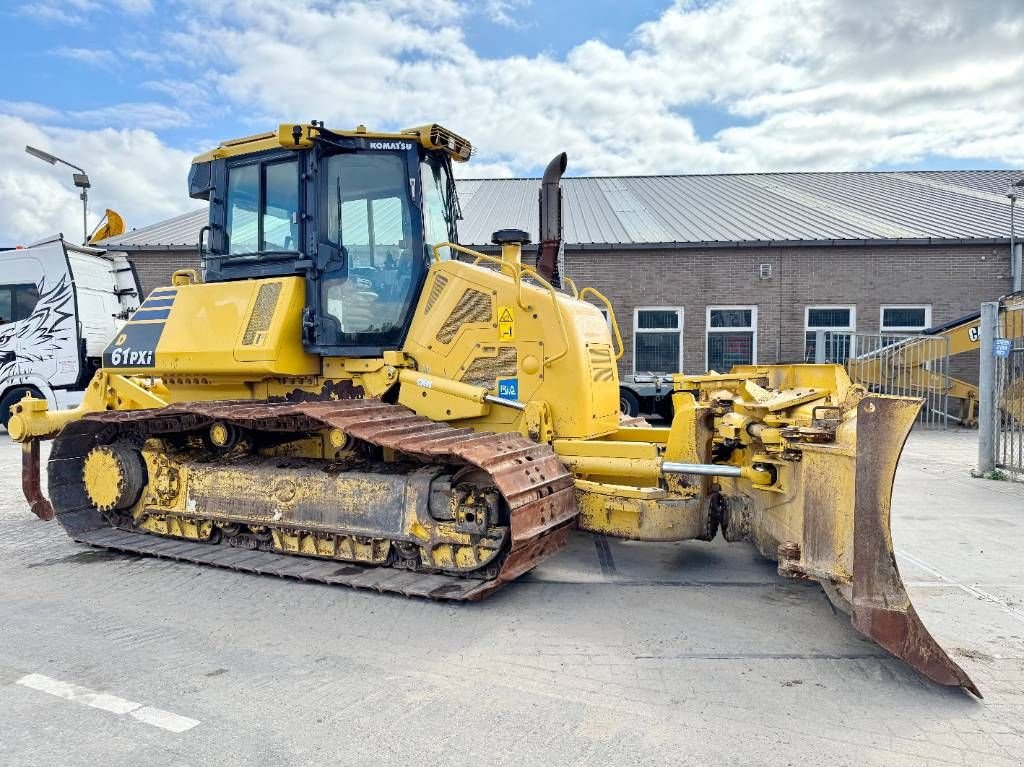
point(113, 476)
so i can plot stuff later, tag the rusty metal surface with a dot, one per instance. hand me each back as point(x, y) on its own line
point(536, 486)
point(881, 608)
point(37, 502)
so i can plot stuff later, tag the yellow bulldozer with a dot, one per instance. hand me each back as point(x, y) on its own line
point(347, 395)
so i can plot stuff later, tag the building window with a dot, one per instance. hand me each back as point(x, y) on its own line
point(731, 337)
point(658, 340)
point(839, 323)
point(905, 319)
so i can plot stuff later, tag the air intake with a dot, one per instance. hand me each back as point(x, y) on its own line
point(262, 314)
point(474, 306)
point(435, 292)
point(485, 371)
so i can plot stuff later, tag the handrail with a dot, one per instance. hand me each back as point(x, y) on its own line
point(517, 272)
point(611, 316)
point(572, 286)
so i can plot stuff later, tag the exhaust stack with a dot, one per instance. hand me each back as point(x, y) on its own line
point(550, 202)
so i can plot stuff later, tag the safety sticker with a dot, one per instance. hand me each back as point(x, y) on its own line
point(506, 323)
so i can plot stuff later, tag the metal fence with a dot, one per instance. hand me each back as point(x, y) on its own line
point(1008, 382)
point(902, 365)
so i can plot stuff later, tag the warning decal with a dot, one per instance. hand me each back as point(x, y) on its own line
point(506, 323)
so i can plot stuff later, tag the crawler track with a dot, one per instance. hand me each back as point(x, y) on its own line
point(535, 484)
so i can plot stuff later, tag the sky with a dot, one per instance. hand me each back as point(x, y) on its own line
point(131, 90)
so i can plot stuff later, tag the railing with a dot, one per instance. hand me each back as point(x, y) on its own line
point(901, 365)
point(1009, 393)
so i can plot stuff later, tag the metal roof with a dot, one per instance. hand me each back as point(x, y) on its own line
point(178, 233)
point(735, 209)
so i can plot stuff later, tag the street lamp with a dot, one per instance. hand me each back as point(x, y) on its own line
point(80, 179)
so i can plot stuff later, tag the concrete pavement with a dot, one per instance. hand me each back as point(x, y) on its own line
point(611, 653)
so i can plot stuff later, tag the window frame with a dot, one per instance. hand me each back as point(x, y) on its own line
point(708, 330)
point(261, 164)
point(851, 328)
point(681, 316)
point(882, 329)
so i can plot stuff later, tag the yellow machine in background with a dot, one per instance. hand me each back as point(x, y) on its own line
point(907, 364)
point(350, 385)
point(110, 225)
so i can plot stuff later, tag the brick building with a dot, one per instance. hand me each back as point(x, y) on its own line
point(710, 271)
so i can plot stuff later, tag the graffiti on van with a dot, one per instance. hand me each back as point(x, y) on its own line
point(39, 336)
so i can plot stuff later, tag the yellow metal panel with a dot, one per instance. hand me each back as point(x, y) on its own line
point(207, 325)
point(561, 370)
point(605, 448)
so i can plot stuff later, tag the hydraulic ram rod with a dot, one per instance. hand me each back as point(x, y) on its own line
point(704, 469)
point(756, 473)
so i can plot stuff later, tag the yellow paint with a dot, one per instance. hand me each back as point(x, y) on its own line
point(564, 373)
point(102, 477)
point(175, 526)
point(432, 137)
point(219, 434)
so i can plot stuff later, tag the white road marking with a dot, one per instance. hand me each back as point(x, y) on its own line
point(165, 720)
point(973, 591)
point(157, 717)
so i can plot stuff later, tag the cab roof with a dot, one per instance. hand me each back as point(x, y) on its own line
point(432, 137)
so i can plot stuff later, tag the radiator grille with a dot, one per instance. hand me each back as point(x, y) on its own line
point(601, 363)
point(474, 306)
point(262, 314)
point(485, 371)
point(435, 292)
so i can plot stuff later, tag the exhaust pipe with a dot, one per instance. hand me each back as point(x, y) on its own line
point(551, 220)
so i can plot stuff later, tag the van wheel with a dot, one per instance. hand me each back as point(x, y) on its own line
point(13, 397)
point(629, 403)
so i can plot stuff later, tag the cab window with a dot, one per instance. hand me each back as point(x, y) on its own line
point(438, 207)
point(368, 219)
point(263, 204)
point(17, 302)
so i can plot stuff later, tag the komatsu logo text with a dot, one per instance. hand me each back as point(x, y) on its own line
point(390, 145)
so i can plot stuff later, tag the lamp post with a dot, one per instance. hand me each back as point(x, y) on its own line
point(80, 179)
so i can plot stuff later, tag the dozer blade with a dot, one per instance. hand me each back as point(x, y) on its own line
point(881, 607)
point(833, 527)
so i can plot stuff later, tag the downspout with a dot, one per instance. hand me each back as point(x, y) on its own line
point(1015, 257)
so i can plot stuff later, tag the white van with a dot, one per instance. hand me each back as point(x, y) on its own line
point(60, 304)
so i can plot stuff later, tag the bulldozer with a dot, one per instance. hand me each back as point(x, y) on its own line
point(347, 395)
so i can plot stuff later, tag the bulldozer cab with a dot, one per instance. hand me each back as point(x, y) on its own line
point(357, 215)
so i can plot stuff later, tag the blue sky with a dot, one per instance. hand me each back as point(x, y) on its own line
point(130, 89)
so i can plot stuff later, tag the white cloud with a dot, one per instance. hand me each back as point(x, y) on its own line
point(94, 56)
point(52, 13)
point(131, 171)
point(149, 115)
point(811, 84)
point(787, 85)
point(30, 110)
point(506, 13)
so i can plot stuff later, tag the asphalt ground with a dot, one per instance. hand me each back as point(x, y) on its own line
point(610, 653)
